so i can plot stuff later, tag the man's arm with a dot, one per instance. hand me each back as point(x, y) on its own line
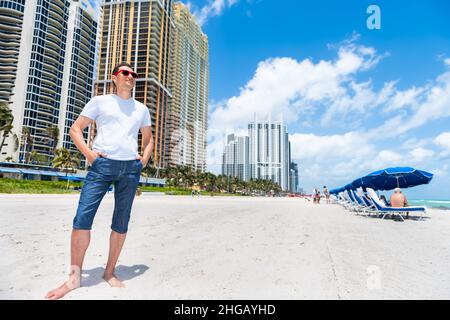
point(147, 144)
point(76, 133)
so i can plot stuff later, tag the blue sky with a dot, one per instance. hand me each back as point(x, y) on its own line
point(354, 100)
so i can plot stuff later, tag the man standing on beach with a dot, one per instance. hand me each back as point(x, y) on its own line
point(114, 159)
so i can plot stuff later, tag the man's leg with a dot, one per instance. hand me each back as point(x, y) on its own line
point(94, 188)
point(79, 243)
point(124, 193)
point(116, 241)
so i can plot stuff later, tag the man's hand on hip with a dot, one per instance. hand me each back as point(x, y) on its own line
point(143, 160)
point(92, 155)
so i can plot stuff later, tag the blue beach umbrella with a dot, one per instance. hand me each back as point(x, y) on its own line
point(349, 186)
point(391, 178)
point(358, 183)
point(337, 190)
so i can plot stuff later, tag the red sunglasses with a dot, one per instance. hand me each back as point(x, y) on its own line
point(126, 73)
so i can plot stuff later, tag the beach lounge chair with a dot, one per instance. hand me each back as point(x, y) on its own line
point(362, 206)
point(353, 204)
point(370, 208)
point(334, 199)
point(393, 210)
point(341, 200)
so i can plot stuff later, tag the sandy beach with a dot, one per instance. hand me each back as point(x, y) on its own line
point(226, 248)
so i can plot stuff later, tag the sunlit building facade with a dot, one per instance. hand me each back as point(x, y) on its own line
point(189, 77)
point(139, 32)
point(54, 77)
point(36, 95)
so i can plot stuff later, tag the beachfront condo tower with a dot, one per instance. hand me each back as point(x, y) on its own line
point(269, 151)
point(139, 32)
point(263, 154)
point(293, 178)
point(11, 20)
point(235, 158)
point(78, 78)
point(188, 109)
point(50, 50)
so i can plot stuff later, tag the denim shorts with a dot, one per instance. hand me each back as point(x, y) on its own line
point(104, 172)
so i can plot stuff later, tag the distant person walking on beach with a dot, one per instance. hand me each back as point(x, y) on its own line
point(114, 158)
point(326, 193)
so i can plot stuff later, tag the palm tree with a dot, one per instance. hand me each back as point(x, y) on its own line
point(6, 120)
point(34, 156)
point(211, 181)
point(27, 142)
point(202, 179)
point(222, 182)
point(53, 134)
point(64, 159)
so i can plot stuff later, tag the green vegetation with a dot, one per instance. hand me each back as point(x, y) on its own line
point(180, 191)
point(35, 186)
point(184, 179)
point(179, 181)
point(6, 127)
point(65, 160)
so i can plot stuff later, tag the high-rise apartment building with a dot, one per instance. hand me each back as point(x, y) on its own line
point(269, 151)
point(293, 178)
point(235, 161)
point(54, 77)
point(78, 78)
point(263, 154)
point(11, 20)
point(139, 32)
point(189, 77)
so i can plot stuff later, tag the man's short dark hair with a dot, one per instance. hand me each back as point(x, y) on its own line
point(117, 67)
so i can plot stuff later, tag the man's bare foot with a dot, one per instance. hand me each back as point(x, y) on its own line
point(65, 288)
point(113, 281)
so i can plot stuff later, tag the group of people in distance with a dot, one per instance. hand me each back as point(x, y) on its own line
point(316, 195)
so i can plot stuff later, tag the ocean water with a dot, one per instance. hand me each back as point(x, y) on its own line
point(439, 204)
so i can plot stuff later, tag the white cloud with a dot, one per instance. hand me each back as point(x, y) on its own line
point(436, 105)
point(414, 143)
point(432, 103)
point(403, 99)
point(315, 148)
point(286, 86)
point(358, 102)
point(212, 9)
point(447, 61)
point(443, 141)
point(332, 159)
point(420, 154)
point(329, 94)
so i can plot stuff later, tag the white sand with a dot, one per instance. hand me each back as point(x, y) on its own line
point(226, 248)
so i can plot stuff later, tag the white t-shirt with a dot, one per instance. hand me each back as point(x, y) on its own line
point(118, 122)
